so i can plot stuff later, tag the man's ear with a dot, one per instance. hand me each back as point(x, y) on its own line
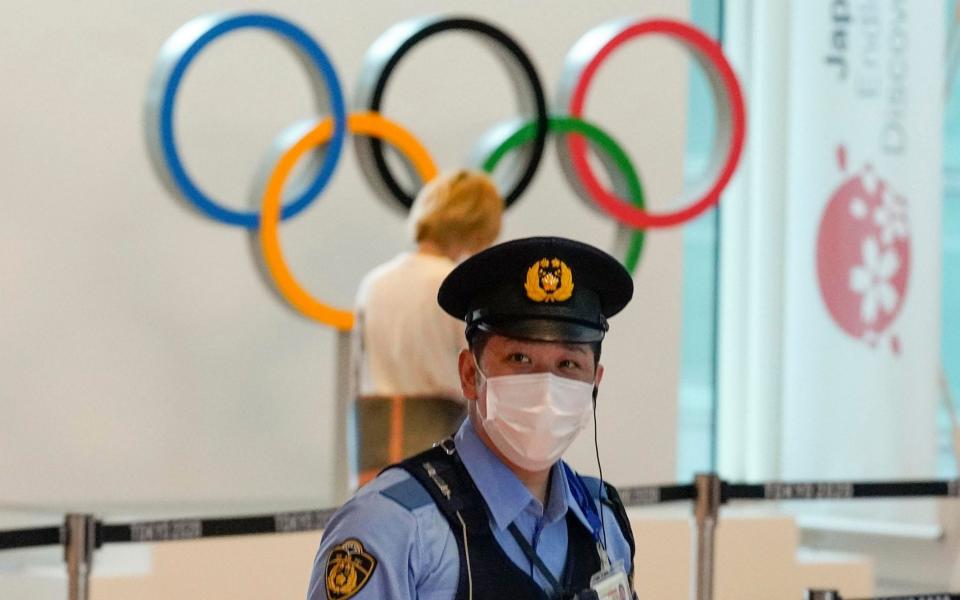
point(596, 381)
point(468, 375)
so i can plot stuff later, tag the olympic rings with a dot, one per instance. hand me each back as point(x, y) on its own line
point(176, 55)
point(583, 60)
point(369, 124)
point(612, 153)
point(528, 134)
point(382, 59)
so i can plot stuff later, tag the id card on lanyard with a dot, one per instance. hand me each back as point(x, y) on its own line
point(611, 582)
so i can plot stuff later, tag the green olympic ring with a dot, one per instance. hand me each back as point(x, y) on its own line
point(527, 132)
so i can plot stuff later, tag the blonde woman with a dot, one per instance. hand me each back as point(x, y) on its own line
point(408, 347)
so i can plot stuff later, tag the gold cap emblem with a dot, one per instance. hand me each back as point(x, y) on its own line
point(349, 568)
point(549, 280)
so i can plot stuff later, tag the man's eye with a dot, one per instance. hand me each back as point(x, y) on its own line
point(519, 357)
point(569, 364)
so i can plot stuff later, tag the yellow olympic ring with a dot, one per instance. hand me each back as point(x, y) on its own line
point(366, 123)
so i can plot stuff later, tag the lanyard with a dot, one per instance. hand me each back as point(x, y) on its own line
point(579, 490)
point(582, 497)
point(534, 558)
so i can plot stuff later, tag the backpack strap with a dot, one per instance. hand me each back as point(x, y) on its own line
point(442, 475)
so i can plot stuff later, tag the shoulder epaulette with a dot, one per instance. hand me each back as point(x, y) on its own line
point(408, 494)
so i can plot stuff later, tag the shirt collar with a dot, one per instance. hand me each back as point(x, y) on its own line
point(505, 495)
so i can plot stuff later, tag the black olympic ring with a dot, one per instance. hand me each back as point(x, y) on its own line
point(382, 59)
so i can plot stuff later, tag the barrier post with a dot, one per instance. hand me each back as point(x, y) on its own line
point(345, 441)
point(78, 552)
point(821, 595)
point(706, 511)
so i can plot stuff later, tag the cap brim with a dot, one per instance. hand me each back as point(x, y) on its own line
point(544, 330)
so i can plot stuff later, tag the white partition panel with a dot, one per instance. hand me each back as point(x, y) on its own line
point(143, 360)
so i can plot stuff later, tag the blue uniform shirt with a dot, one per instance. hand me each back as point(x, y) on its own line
point(412, 550)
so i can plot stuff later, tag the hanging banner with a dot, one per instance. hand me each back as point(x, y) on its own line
point(862, 239)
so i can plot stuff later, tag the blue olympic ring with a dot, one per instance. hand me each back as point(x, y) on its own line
point(314, 56)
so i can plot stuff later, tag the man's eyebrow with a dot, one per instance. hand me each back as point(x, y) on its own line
point(576, 348)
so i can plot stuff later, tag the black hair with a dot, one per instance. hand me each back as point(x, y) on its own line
point(478, 338)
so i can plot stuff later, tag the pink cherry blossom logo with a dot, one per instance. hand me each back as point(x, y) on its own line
point(863, 255)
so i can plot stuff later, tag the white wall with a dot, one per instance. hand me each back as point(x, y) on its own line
point(144, 361)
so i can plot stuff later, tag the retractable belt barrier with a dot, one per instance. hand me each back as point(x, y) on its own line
point(833, 595)
point(287, 522)
point(82, 534)
point(838, 490)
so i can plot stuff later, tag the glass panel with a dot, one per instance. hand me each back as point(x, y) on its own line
point(697, 394)
point(951, 256)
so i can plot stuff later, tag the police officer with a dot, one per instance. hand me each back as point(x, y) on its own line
point(493, 513)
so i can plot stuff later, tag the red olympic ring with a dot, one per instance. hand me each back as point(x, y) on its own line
point(709, 54)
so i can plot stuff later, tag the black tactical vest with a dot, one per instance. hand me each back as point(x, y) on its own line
point(485, 569)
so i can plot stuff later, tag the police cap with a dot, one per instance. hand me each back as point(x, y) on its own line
point(539, 288)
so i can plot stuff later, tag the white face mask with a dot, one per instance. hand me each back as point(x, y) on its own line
point(532, 419)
